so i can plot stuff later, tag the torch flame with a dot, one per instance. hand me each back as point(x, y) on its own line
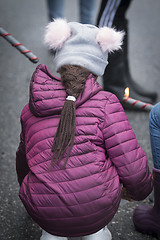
point(126, 92)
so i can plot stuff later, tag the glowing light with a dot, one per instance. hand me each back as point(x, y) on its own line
point(126, 92)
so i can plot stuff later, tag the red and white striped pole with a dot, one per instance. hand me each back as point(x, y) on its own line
point(137, 104)
point(18, 45)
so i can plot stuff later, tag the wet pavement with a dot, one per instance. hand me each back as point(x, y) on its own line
point(26, 20)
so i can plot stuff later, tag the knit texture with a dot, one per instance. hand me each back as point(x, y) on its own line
point(81, 49)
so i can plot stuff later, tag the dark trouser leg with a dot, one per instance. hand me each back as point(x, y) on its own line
point(55, 9)
point(117, 74)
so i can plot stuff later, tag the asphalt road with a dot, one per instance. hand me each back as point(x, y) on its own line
point(26, 20)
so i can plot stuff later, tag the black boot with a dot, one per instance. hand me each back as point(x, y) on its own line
point(117, 74)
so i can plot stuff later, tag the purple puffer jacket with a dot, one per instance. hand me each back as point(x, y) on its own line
point(84, 197)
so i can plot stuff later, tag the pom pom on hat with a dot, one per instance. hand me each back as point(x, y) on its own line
point(109, 39)
point(82, 44)
point(57, 32)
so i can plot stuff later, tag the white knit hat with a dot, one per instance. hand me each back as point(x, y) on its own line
point(82, 44)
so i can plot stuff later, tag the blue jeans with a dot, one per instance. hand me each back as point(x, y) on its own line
point(87, 10)
point(154, 126)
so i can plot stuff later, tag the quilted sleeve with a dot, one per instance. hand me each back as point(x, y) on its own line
point(124, 151)
point(22, 168)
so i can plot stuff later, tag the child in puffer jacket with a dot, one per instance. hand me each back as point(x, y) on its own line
point(77, 148)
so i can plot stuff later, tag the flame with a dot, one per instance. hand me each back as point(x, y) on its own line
point(126, 92)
